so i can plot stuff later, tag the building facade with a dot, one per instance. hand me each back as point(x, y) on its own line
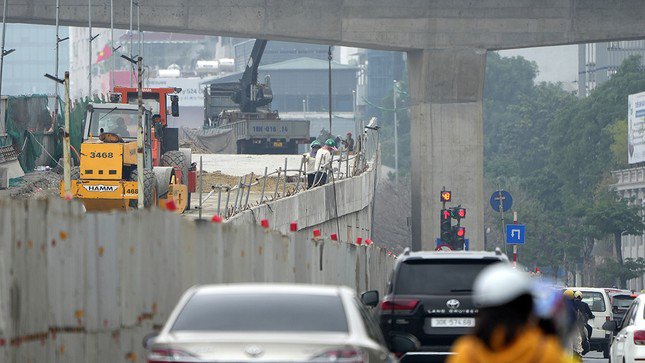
point(597, 62)
point(276, 52)
point(34, 55)
point(631, 186)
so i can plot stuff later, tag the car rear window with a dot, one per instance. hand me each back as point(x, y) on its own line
point(438, 277)
point(622, 302)
point(595, 300)
point(269, 312)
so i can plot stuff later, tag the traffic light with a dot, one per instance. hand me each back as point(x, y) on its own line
point(446, 226)
point(446, 196)
point(459, 237)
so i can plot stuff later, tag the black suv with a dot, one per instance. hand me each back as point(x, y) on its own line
point(429, 296)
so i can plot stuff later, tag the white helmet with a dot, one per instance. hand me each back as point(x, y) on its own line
point(500, 284)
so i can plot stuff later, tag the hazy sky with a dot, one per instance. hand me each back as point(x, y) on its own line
point(556, 64)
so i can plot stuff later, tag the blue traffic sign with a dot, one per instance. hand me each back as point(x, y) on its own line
point(515, 234)
point(501, 197)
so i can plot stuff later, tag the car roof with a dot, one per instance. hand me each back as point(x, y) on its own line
point(589, 289)
point(120, 106)
point(271, 288)
point(453, 255)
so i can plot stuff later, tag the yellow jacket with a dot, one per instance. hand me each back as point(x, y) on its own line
point(531, 346)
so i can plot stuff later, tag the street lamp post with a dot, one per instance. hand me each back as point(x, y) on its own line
point(140, 130)
point(396, 138)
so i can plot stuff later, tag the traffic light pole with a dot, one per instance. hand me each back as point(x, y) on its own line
point(501, 212)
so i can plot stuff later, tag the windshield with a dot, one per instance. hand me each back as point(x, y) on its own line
point(622, 302)
point(262, 312)
point(118, 121)
point(150, 101)
point(595, 300)
point(440, 277)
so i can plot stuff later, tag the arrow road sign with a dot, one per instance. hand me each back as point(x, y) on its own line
point(515, 234)
point(501, 197)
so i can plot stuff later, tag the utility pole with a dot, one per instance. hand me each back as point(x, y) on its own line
point(131, 55)
point(140, 176)
point(329, 57)
point(89, 59)
point(396, 137)
point(112, 44)
point(67, 165)
point(140, 131)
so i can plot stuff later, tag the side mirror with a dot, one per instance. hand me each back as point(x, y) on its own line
point(148, 339)
point(370, 298)
point(174, 105)
point(611, 326)
point(403, 343)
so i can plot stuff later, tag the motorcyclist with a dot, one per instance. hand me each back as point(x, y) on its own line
point(578, 335)
point(583, 307)
point(506, 328)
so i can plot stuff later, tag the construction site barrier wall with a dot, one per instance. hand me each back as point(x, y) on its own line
point(87, 287)
point(343, 208)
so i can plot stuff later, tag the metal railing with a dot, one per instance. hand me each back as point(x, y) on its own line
point(285, 182)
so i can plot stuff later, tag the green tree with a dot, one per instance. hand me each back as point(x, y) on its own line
point(614, 217)
point(611, 270)
point(579, 135)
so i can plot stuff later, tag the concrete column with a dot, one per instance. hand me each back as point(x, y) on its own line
point(446, 87)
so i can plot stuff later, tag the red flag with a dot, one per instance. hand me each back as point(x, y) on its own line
point(104, 54)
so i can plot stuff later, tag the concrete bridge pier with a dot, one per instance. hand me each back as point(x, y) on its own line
point(446, 87)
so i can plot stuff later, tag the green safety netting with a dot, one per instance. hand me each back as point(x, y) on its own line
point(29, 122)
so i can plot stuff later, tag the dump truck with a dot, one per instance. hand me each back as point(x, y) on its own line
point(106, 177)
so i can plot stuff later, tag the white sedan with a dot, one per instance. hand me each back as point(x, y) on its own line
point(270, 322)
point(628, 344)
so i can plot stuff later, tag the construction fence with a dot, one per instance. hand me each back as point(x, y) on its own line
point(290, 180)
point(87, 287)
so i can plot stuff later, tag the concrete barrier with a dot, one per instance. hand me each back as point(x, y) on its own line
point(343, 207)
point(86, 287)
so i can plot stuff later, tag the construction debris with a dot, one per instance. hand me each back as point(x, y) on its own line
point(36, 184)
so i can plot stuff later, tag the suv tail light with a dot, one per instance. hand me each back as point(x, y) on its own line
point(344, 355)
point(163, 355)
point(639, 337)
point(399, 305)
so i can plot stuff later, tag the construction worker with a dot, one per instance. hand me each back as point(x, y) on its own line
point(310, 162)
point(121, 128)
point(506, 330)
point(323, 162)
point(349, 143)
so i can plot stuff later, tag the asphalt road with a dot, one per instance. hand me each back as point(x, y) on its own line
point(594, 357)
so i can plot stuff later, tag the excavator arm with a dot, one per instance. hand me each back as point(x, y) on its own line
point(250, 94)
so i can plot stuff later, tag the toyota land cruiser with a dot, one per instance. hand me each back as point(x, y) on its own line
point(429, 296)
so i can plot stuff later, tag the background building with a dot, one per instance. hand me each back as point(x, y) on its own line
point(597, 62)
point(35, 55)
point(282, 51)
